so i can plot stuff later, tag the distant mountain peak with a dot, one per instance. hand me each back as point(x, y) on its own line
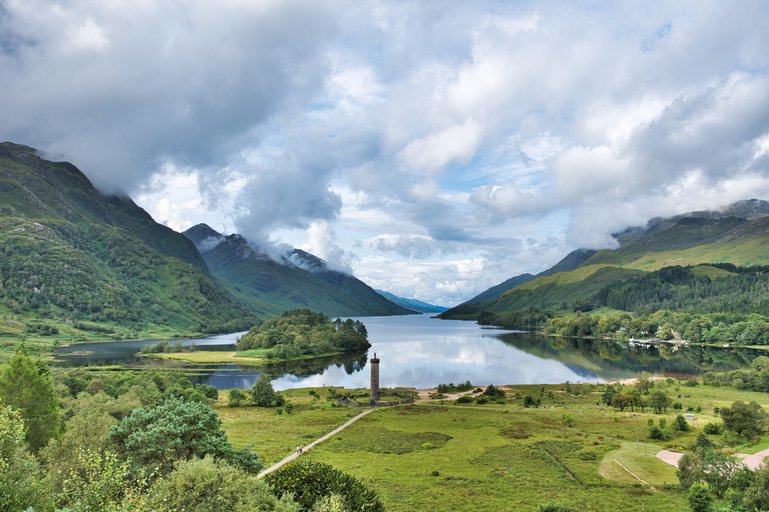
point(307, 261)
point(747, 209)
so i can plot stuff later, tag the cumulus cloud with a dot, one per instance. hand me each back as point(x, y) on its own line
point(122, 87)
point(419, 134)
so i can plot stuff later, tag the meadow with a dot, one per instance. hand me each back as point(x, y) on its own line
point(439, 455)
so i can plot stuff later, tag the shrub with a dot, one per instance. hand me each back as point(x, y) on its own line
point(176, 430)
point(262, 394)
point(713, 428)
point(554, 508)
point(311, 481)
point(236, 398)
point(680, 424)
point(204, 484)
point(699, 497)
point(530, 401)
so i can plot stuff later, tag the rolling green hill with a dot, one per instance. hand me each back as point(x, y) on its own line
point(78, 264)
point(739, 235)
point(471, 309)
point(297, 280)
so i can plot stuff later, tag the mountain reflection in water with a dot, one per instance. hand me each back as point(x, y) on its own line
point(422, 352)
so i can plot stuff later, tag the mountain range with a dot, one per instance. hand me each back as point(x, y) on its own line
point(412, 304)
point(79, 264)
point(269, 285)
point(737, 234)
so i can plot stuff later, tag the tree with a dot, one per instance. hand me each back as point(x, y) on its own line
point(100, 481)
point(705, 463)
point(660, 401)
point(26, 386)
point(757, 495)
point(699, 497)
point(620, 401)
point(236, 397)
point(87, 431)
point(262, 394)
point(310, 481)
point(203, 485)
point(176, 430)
point(644, 383)
point(21, 478)
point(748, 420)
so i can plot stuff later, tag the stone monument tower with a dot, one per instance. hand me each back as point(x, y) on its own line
point(374, 378)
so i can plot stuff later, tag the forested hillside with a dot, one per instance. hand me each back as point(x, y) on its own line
point(303, 332)
point(707, 264)
point(76, 263)
point(274, 284)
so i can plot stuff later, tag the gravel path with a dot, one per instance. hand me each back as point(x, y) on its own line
point(310, 446)
point(751, 460)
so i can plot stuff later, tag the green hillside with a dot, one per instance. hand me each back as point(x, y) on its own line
point(738, 235)
point(77, 264)
point(471, 309)
point(298, 280)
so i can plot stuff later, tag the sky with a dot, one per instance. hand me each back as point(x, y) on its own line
point(432, 148)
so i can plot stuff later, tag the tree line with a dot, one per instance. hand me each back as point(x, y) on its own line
point(303, 332)
point(75, 441)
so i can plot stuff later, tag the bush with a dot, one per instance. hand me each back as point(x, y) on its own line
point(680, 424)
point(530, 401)
point(699, 497)
point(236, 398)
point(262, 394)
point(176, 430)
point(554, 508)
point(311, 481)
point(204, 484)
point(713, 428)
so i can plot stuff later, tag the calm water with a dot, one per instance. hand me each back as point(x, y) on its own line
point(422, 352)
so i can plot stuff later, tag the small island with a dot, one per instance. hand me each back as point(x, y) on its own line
point(294, 335)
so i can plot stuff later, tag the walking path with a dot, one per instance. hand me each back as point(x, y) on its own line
point(751, 460)
point(312, 444)
point(423, 396)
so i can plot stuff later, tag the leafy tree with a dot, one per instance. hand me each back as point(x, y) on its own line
point(236, 397)
point(262, 394)
point(680, 424)
point(21, 478)
point(620, 401)
point(310, 481)
point(26, 386)
point(608, 394)
point(660, 401)
point(206, 485)
point(705, 463)
point(699, 497)
point(757, 495)
point(644, 383)
point(176, 430)
point(99, 481)
point(748, 420)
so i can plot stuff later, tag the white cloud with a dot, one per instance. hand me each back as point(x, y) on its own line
point(457, 143)
point(416, 134)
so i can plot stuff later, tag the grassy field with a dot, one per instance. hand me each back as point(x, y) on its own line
point(442, 456)
point(247, 358)
point(274, 436)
